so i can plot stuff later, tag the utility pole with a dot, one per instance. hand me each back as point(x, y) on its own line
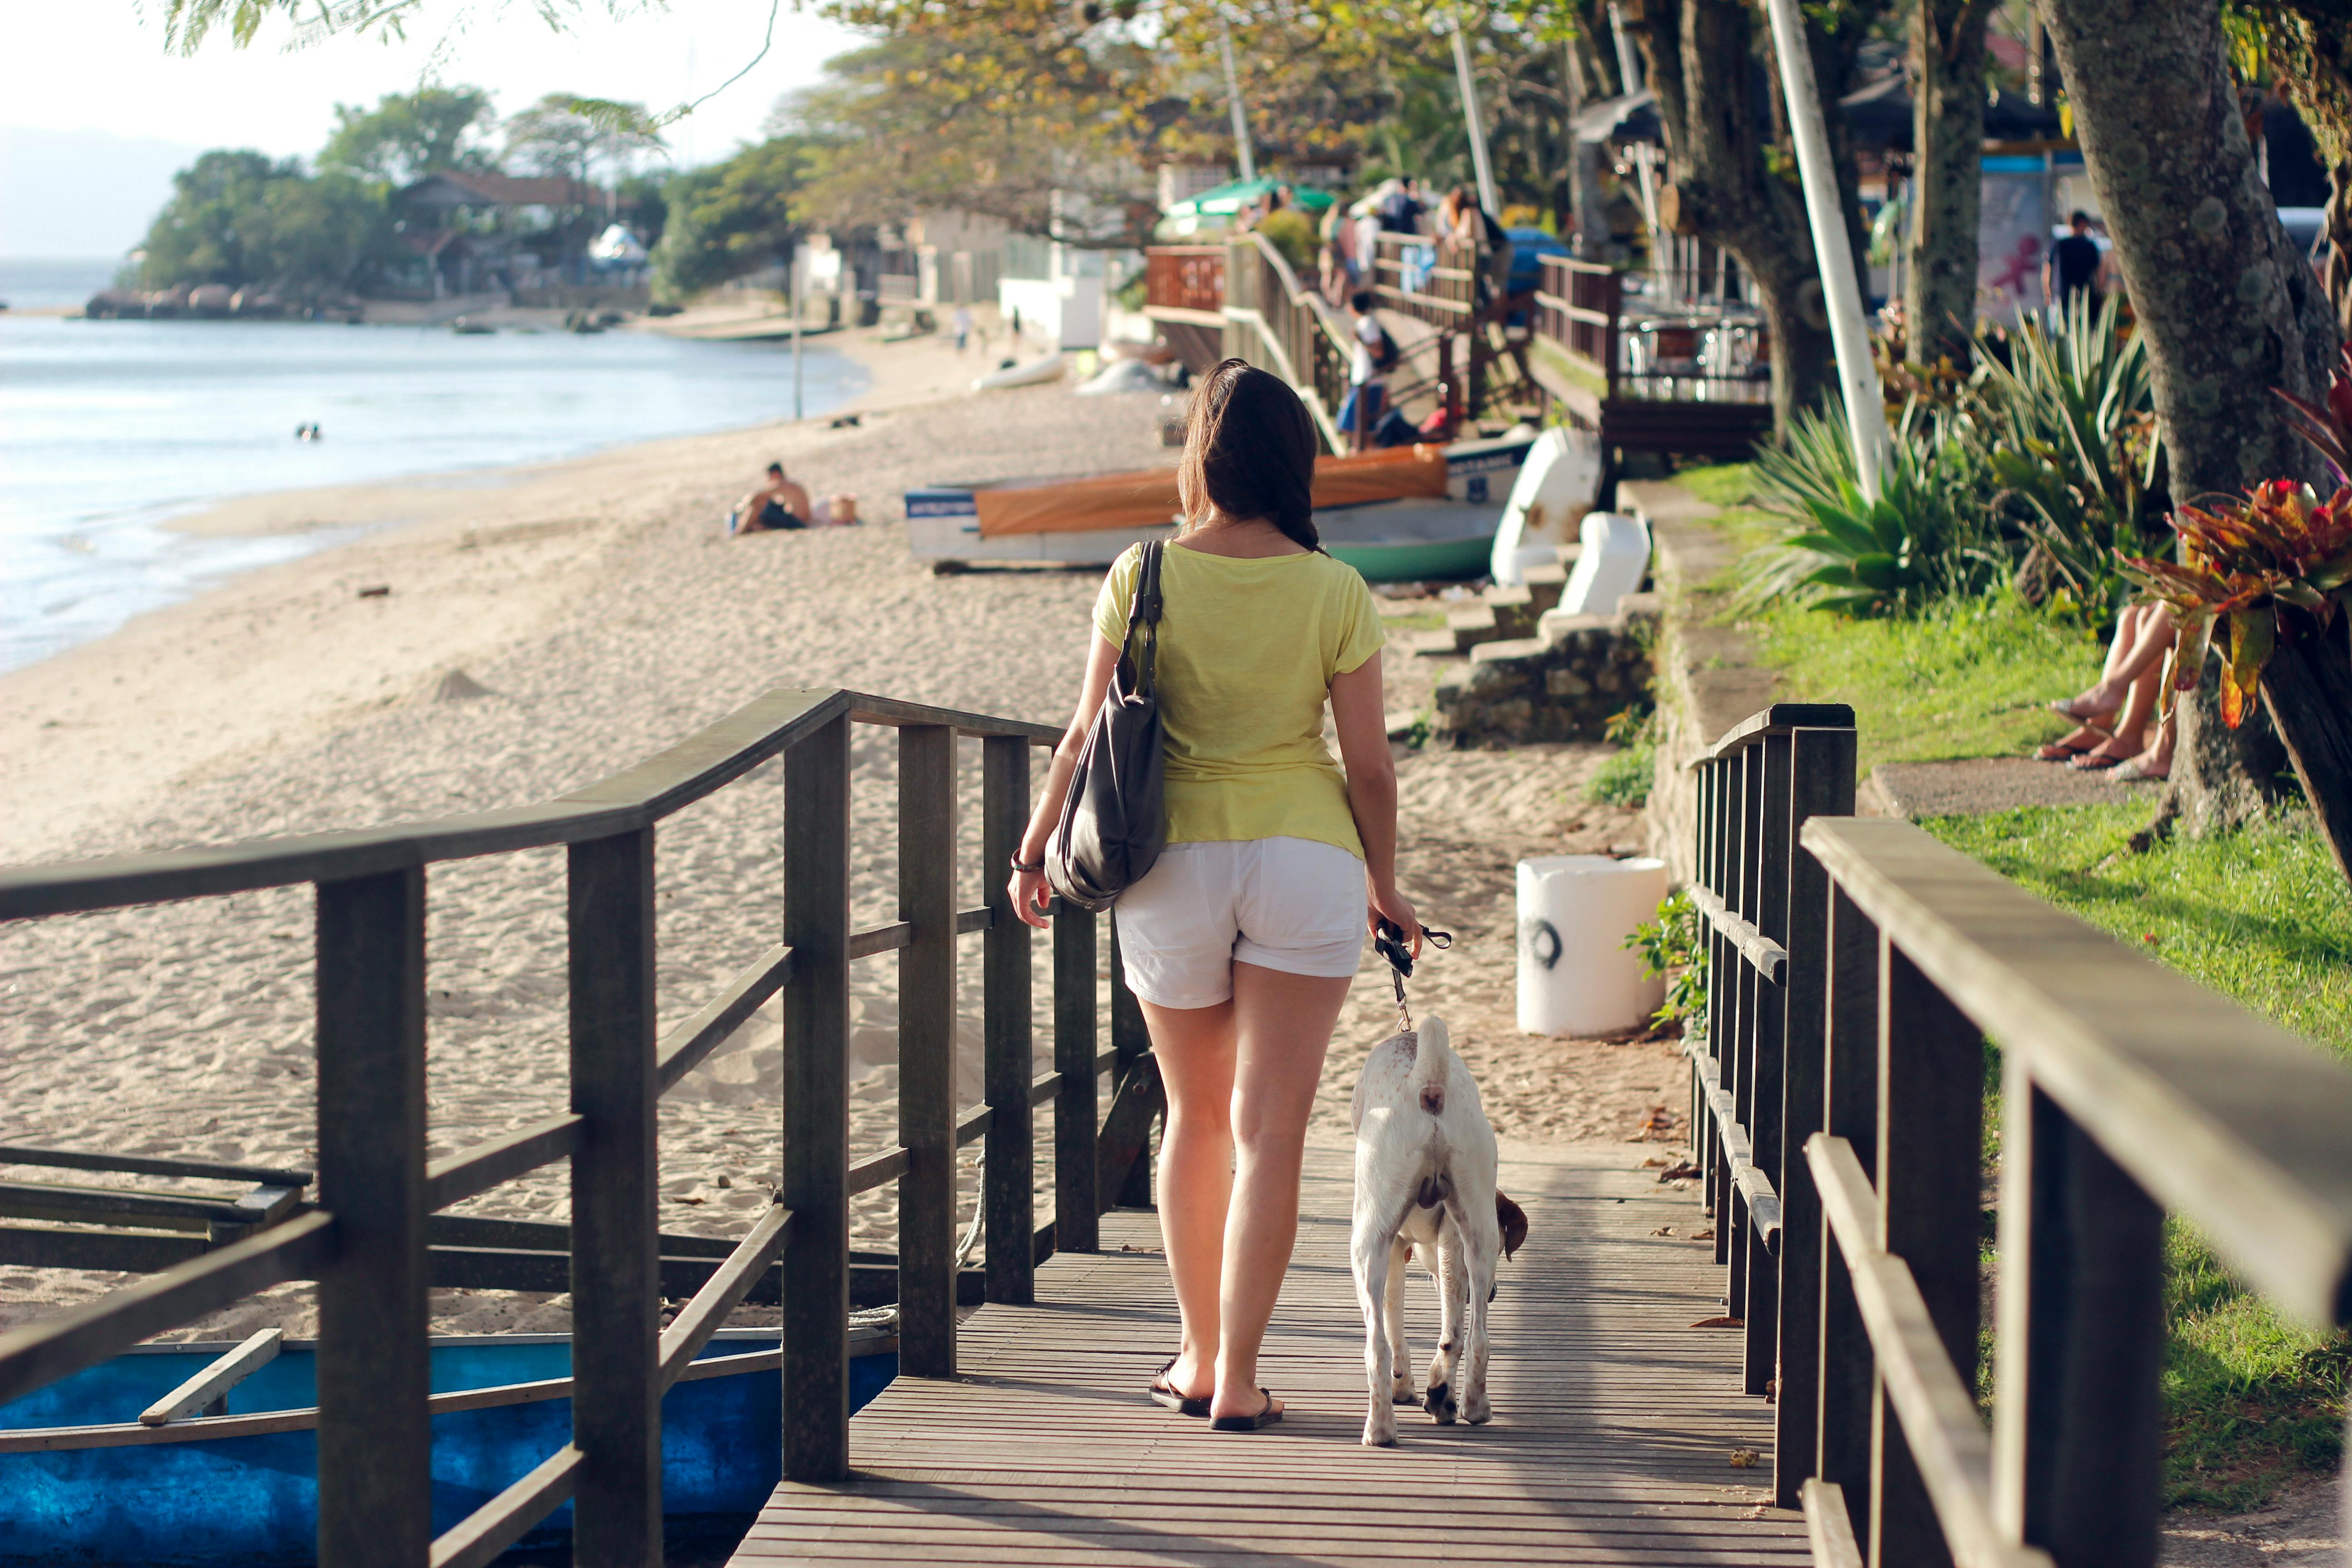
point(800, 321)
point(1865, 403)
point(1234, 101)
point(1487, 198)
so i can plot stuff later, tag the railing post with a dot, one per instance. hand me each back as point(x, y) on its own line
point(1768, 896)
point(927, 1020)
point(1930, 1139)
point(1005, 1180)
point(375, 1440)
point(2078, 1417)
point(816, 1105)
point(1821, 784)
point(1077, 1207)
point(1715, 785)
point(615, 1257)
point(1848, 1371)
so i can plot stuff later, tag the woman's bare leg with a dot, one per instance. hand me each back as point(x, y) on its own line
point(1282, 1027)
point(1195, 1050)
point(2131, 728)
point(2142, 634)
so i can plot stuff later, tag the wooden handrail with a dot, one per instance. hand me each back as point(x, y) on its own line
point(631, 799)
point(1856, 968)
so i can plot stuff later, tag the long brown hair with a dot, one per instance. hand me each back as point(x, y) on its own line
point(1249, 449)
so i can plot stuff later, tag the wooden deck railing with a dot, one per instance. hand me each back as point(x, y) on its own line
point(1278, 324)
point(364, 1240)
point(1857, 967)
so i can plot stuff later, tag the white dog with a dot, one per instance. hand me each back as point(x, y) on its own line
point(1425, 1177)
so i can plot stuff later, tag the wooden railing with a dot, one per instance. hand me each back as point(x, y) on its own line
point(364, 1239)
point(1276, 322)
point(1857, 967)
point(1577, 309)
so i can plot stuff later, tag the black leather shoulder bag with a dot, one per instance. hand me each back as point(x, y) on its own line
point(1113, 824)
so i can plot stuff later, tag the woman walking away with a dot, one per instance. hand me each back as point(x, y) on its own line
point(1240, 941)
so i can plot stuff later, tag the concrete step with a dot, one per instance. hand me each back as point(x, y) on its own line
point(1430, 645)
point(1471, 626)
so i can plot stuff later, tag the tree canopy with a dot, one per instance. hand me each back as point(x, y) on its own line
point(732, 218)
point(241, 220)
point(408, 135)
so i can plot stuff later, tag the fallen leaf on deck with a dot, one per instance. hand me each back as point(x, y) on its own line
point(1682, 1172)
point(1744, 1459)
point(1653, 1161)
point(1664, 1230)
point(1706, 1235)
point(1720, 1323)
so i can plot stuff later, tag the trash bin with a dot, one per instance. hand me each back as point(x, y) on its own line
point(1616, 557)
point(1576, 975)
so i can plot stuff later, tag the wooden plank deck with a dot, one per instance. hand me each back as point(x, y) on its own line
point(1615, 1424)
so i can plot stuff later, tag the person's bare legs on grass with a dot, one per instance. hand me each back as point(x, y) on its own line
point(1275, 1031)
point(2142, 634)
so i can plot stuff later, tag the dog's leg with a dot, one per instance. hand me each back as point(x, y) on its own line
point(1369, 1250)
point(1400, 1388)
point(1471, 1218)
point(1453, 1286)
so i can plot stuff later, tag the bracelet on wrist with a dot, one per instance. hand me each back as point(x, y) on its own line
point(1019, 865)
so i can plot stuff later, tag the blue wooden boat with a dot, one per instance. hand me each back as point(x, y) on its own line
point(83, 1483)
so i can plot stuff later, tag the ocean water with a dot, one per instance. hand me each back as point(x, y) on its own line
point(109, 430)
point(44, 283)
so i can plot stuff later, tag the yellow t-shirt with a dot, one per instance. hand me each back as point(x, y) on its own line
point(1247, 650)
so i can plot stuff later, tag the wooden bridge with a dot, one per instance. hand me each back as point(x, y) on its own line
point(1620, 1435)
point(1855, 969)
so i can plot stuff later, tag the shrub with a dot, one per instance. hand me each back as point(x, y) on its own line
point(1673, 946)
point(1291, 234)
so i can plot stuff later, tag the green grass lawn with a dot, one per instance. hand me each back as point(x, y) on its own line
point(2262, 916)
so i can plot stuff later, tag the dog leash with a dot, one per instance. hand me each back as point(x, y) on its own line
point(1388, 940)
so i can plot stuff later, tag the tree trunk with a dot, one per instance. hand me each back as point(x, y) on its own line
point(1703, 61)
point(2221, 778)
point(2226, 309)
point(2307, 691)
point(1939, 292)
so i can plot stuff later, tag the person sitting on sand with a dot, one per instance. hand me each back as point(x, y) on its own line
point(778, 504)
point(2125, 698)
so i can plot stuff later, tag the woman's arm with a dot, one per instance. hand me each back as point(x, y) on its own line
point(1029, 890)
point(1358, 712)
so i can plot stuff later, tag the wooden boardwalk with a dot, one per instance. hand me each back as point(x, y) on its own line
point(1614, 1429)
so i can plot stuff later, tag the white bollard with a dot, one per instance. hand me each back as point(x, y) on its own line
point(1576, 975)
point(1615, 557)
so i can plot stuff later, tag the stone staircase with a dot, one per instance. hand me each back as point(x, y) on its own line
point(1501, 614)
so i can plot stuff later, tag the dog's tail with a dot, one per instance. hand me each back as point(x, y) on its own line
point(1433, 1058)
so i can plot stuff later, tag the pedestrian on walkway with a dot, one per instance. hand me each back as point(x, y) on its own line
point(1240, 941)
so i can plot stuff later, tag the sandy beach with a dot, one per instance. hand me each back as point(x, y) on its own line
point(604, 616)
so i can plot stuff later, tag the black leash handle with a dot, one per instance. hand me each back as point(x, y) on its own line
point(1388, 941)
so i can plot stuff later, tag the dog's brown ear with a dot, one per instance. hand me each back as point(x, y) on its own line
point(1514, 1221)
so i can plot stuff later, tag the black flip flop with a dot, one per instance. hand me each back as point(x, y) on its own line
point(1162, 1394)
point(1265, 1417)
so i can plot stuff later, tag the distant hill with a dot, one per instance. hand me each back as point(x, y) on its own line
point(81, 192)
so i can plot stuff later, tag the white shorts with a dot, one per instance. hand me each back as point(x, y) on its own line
point(1292, 904)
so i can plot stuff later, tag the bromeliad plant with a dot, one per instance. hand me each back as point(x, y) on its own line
point(2245, 565)
point(2265, 577)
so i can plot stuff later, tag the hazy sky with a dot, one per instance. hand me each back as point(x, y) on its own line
point(108, 109)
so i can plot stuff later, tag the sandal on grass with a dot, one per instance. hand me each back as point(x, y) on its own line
point(1162, 1392)
point(2093, 763)
point(2136, 769)
point(1266, 1417)
point(2063, 749)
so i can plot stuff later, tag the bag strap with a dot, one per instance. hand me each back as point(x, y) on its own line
point(1143, 610)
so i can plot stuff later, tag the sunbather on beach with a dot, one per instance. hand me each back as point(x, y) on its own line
point(2112, 718)
point(778, 504)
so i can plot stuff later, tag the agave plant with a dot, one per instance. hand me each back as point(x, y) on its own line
point(2070, 423)
point(1923, 538)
